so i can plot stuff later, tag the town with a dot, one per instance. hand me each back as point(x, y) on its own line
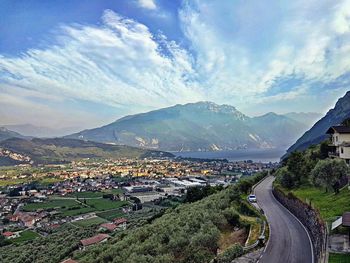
point(107, 195)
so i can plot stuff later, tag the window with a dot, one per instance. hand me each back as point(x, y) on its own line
point(336, 138)
point(341, 150)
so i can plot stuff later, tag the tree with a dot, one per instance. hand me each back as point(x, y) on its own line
point(329, 173)
point(296, 166)
point(285, 178)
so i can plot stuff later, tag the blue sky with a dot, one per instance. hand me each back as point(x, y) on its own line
point(85, 63)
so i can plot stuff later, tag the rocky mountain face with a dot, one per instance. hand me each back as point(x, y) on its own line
point(316, 134)
point(201, 126)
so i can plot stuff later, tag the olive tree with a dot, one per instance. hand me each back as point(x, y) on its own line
point(329, 173)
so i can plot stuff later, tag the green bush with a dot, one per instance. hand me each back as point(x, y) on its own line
point(230, 254)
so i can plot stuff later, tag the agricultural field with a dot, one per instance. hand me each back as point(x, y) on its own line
point(51, 204)
point(111, 214)
point(90, 222)
point(25, 236)
point(102, 204)
point(74, 207)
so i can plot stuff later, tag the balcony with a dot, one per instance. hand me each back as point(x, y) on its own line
point(333, 154)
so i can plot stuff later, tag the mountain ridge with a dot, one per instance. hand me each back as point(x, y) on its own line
point(200, 126)
point(317, 133)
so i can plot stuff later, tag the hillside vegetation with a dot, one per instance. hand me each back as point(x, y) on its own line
point(316, 180)
point(58, 150)
point(198, 231)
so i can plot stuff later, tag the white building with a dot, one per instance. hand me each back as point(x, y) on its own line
point(340, 137)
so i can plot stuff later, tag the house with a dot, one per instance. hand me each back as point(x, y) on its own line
point(10, 235)
point(340, 142)
point(108, 226)
point(121, 223)
point(94, 240)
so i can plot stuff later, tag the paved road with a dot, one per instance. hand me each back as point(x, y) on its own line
point(289, 242)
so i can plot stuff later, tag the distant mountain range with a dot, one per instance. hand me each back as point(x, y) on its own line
point(40, 131)
point(60, 150)
point(201, 126)
point(317, 133)
point(7, 134)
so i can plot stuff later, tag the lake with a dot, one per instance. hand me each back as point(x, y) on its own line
point(256, 155)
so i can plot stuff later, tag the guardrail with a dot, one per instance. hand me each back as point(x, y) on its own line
point(259, 241)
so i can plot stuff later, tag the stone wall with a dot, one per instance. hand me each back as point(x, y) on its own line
point(310, 219)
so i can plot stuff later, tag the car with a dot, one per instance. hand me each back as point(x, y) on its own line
point(252, 198)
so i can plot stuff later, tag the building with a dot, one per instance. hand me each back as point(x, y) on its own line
point(121, 223)
point(108, 226)
point(94, 240)
point(340, 142)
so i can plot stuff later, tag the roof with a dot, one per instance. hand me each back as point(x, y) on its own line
point(7, 234)
point(109, 226)
point(94, 240)
point(339, 129)
point(69, 261)
point(119, 221)
point(346, 219)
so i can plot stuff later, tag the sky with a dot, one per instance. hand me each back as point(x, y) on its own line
point(85, 63)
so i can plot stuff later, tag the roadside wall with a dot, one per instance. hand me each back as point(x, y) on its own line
point(310, 219)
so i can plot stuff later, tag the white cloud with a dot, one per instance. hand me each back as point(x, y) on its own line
point(119, 64)
point(148, 4)
point(234, 57)
point(310, 40)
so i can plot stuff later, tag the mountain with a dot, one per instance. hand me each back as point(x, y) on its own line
point(58, 150)
point(6, 134)
point(307, 118)
point(201, 126)
point(40, 131)
point(316, 134)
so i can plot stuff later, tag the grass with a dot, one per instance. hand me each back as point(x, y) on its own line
point(25, 236)
point(255, 228)
point(51, 204)
point(111, 214)
point(90, 222)
point(105, 204)
point(339, 258)
point(85, 194)
point(228, 237)
point(90, 194)
point(74, 212)
point(328, 204)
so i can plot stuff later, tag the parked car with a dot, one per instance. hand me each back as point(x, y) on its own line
point(252, 198)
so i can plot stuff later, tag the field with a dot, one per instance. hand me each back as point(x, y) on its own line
point(328, 204)
point(90, 194)
point(25, 236)
point(339, 258)
point(90, 222)
point(102, 204)
point(73, 207)
point(51, 204)
point(111, 214)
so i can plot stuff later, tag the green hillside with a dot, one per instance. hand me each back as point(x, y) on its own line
point(62, 150)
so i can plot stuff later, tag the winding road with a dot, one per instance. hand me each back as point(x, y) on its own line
point(289, 241)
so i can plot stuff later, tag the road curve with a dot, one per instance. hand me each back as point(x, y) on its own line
point(289, 241)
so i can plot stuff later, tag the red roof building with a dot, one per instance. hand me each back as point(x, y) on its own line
point(69, 261)
point(8, 234)
point(94, 240)
point(109, 226)
point(119, 221)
